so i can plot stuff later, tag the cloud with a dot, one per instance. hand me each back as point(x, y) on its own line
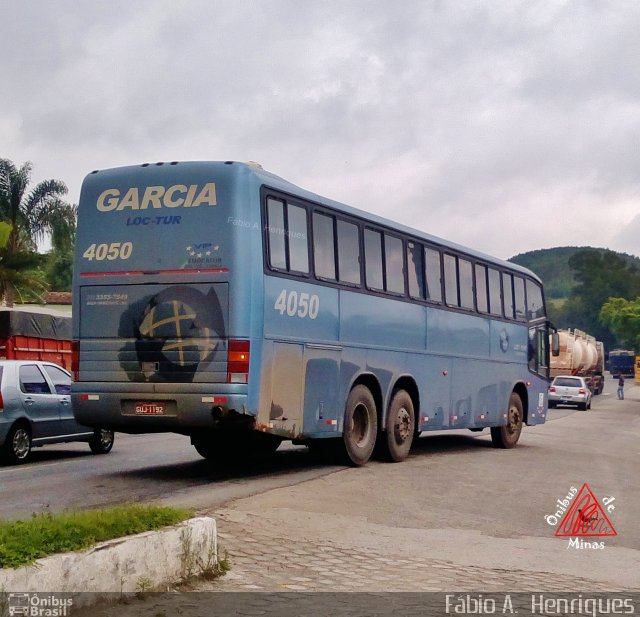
point(501, 126)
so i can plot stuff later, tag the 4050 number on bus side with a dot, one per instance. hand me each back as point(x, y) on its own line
point(296, 304)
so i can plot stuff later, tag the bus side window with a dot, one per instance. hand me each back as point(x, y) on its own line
point(394, 264)
point(495, 298)
point(275, 227)
point(415, 265)
point(465, 278)
point(324, 257)
point(348, 253)
point(433, 274)
point(482, 299)
point(518, 289)
point(507, 289)
point(373, 259)
point(450, 280)
point(288, 236)
point(297, 236)
point(535, 306)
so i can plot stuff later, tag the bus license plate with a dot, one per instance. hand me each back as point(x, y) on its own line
point(150, 409)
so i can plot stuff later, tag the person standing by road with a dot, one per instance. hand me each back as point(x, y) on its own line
point(621, 388)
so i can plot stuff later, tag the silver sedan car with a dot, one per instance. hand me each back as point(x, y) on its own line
point(35, 410)
point(570, 390)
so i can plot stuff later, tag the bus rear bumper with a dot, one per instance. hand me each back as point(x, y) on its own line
point(129, 411)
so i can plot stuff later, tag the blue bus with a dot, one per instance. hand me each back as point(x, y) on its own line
point(219, 301)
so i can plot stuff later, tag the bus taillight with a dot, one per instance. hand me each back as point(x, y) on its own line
point(238, 362)
point(75, 359)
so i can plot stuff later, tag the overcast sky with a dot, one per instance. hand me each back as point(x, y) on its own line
point(506, 126)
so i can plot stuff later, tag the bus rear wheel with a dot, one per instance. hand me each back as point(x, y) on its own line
point(507, 436)
point(223, 446)
point(360, 426)
point(214, 446)
point(401, 424)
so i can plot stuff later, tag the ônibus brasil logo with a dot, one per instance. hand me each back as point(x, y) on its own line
point(581, 515)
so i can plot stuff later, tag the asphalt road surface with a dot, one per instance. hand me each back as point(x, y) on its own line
point(452, 480)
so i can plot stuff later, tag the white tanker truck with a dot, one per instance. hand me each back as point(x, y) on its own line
point(580, 354)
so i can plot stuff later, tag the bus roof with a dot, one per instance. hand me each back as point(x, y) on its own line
point(276, 182)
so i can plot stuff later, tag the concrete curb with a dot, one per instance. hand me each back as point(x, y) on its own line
point(153, 558)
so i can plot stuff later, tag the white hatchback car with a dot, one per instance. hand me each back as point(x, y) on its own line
point(35, 409)
point(569, 390)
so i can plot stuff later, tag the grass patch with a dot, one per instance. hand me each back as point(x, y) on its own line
point(22, 542)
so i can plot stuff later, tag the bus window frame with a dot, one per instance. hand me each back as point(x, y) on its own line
point(360, 225)
point(286, 202)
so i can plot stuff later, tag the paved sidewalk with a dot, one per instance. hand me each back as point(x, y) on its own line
point(265, 563)
point(267, 568)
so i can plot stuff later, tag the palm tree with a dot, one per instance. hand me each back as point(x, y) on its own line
point(32, 215)
point(19, 270)
point(59, 267)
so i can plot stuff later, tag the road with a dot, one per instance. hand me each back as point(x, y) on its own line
point(456, 501)
point(141, 468)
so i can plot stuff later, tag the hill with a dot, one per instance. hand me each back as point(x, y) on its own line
point(552, 266)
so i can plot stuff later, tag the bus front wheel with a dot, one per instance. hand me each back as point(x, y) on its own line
point(507, 436)
point(401, 424)
point(360, 426)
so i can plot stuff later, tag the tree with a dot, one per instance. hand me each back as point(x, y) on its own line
point(32, 214)
point(599, 276)
point(622, 317)
point(59, 268)
point(20, 271)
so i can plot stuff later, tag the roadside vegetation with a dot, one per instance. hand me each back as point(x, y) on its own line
point(595, 290)
point(24, 541)
point(31, 215)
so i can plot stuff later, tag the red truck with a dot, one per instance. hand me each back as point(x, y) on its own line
point(31, 335)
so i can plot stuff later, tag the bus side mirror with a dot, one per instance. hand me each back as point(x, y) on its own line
point(555, 344)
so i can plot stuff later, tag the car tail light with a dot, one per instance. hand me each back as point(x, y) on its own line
point(75, 359)
point(1, 402)
point(552, 389)
point(238, 361)
point(582, 391)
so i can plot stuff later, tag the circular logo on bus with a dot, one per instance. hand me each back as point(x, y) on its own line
point(178, 331)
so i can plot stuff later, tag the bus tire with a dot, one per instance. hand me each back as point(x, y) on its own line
point(213, 446)
point(360, 426)
point(401, 424)
point(262, 444)
point(507, 436)
point(221, 446)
